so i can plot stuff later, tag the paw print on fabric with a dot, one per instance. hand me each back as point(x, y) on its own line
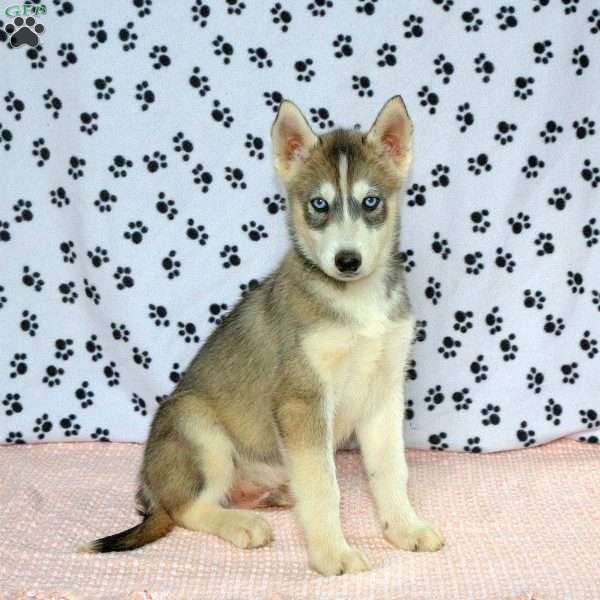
point(13, 404)
point(416, 195)
point(590, 173)
point(304, 70)
point(15, 437)
point(523, 88)
point(135, 232)
point(202, 178)
point(525, 436)
point(183, 146)
point(440, 246)
point(76, 165)
point(491, 415)
point(52, 103)
point(235, 7)
point(85, 395)
point(507, 17)
point(91, 291)
point(37, 58)
point(119, 166)
point(575, 282)
point(542, 52)
point(128, 37)
point(196, 233)
point(157, 160)
point(98, 256)
point(255, 146)
point(479, 164)
point(504, 260)
point(144, 95)
point(560, 198)
point(366, 7)
point(533, 299)
point(584, 128)
point(553, 411)
point(124, 278)
point(3, 299)
point(387, 55)
point(590, 233)
point(505, 131)
point(594, 19)
point(6, 137)
point(494, 320)
point(68, 293)
point(232, 259)
point(440, 174)
point(519, 223)
point(420, 331)
point(463, 320)
point(480, 222)
point(120, 332)
point(221, 114)
point(167, 207)
point(141, 357)
point(200, 12)
point(143, 7)
point(411, 370)
point(112, 375)
point(479, 369)
point(199, 82)
point(275, 204)
point(433, 291)
point(449, 346)
point(444, 68)
point(32, 279)
point(465, 117)
point(246, 288)
point(4, 231)
point(580, 59)
point(435, 397)
point(544, 243)
point(589, 418)
point(319, 8)
point(223, 49)
point(406, 259)
point(218, 312)
point(471, 19)
point(139, 405)
point(40, 150)
point(554, 325)
point(53, 376)
point(484, 67)
point(473, 445)
point(532, 167)
point(260, 57)
point(159, 314)
point(42, 426)
point(474, 263)
point(508, 348)
point(19, 367)
point(445, 4)
point(409, 412)
point(14, 105)
point(101, 434)
point(587, 343)
point(551, 132)
point(281, 17)
point(273, 99)
point(67, 52)
point(97, 33)
point(94, 348)
point(235, 177)
point(69, 254)
point(64, 348)
point(413, 26)
point(437, 441)
point(255, 232)
point(175, 375)
point(104, 89)
point(188, 332)
point(569, 372)
point(171, 265)
point(535, 380)
point(23, 209)
point(429, 99)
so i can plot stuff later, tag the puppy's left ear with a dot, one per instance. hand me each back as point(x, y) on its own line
point(391, 135)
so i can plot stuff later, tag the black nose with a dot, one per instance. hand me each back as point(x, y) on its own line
point(347, 261)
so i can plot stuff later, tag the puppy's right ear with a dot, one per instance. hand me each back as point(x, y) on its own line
point(292, 139)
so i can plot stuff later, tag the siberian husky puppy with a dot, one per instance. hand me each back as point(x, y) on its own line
point(314, 354)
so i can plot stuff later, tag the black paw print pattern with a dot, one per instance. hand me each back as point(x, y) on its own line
point(139, 202)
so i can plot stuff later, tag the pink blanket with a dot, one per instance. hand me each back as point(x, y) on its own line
point(520, 524)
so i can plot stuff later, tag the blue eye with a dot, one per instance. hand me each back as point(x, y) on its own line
point(319, 204)
point(371, 202)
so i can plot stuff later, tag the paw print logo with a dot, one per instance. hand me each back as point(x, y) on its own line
point(437, 441)
point(218, 312)
point(480, 222)
point(94, 348)
point(196, 233)
point(223, 49)
point(67, 52)
point(84, 394)
point(98, 256)
point(101, 435)
point(535, 380)
point(255, 232)
point(449, 346)
point(120, 332)
point(69, 254)
point(158, 314)
point(318, 8)
point(553, 411)
point(15, 105)
point(587, 343)
point(171, 265)
point(52, 103)
point(479, 369)
point(484, 67)
point(523, 87)
point(32, 279)
point(406, 260)
point(144, 95)
point(507, 17)
point(128, 37)
point(91, 291)
point(504, 133)
point(343, 46)
point(519, 223)
point(112, 375)
point(580, 59)
point(275, 204)
point(590, 233)
point(544, 243)
point(491, 415)
point(474, 263)
point(471, 19)
point(221, 114)
point(235, 177)
point(97, 33)
point(444, 68)
point(465, 117)
point(166, 207)
point(532, 167)
point(504, 260)
point(440, 246)
point(68, 293)
point(141, 357)
point(434, 397)
point(554, 325)
point(273, 99)
point(156, 161)
point(413, 26)
point(594, 19)
point(494, 320)
point(416, 195)
point(304, 70)
point(255, 146)
point(590, 173)
point(429, 99)
point(199, 82)
point(124, 278)
point(230, 254)
point(584, 128)
point(183, 146)
point(542, 53)
point(139, 405)
point(550, 132)
point(53, 375)
point(462, 320)
point(560, 198)
point(526, 436)
point(260, 57)
point(575, 282)
point(64, 348)
point(590, 418)
point(11, 401)
point(200, 12)
point(40, 150)
point(188, 332)
point(321, 117)
point(24, 32)
point(43, 425)
point(18, 364)
point(440, 176)
point(533, 299)
point(246, 288)
point(281, 17)
point(202, 178)
point(433, 291)
point(508, 348)
point(479, 164)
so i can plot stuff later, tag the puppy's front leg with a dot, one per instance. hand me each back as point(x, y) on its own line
point(382, 446)
point(307, 437)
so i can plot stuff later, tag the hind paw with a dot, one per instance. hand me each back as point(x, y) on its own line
point(246, 529)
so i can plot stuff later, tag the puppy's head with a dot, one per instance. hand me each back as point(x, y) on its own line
point(342, 187)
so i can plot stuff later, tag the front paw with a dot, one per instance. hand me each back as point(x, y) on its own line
point(337, 561)
point(416, 536)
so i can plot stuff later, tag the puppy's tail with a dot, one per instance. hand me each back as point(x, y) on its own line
point(153, 527)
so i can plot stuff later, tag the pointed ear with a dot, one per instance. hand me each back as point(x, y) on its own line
point(391, 135)
point(292, 138)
